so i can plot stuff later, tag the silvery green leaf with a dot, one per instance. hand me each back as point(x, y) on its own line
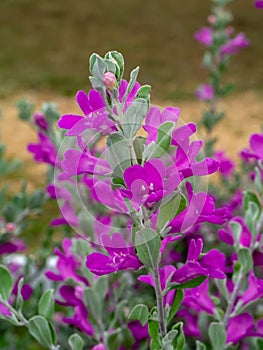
point(40, 329)
point(140, 312)
point(148, 245)
point(133, 117)
point(46, 304)
point(217, 335)
point(118, 154)
point(75, 342)
point(245, 258)
point(6, 283)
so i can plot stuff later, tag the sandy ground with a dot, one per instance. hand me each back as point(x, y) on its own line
point(244, 115)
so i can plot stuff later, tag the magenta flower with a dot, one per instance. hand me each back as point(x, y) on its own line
point(82, 162)
point(155, 118)
point(254, 290)
point(96, 116)
point(242, 326)
point(120, 257)
point(211, 264)
point(95, 112)
point(102, 192)
point(233, 46)
point(256, 145)
point(226, 165)
point(198, 298)
point(44, 151)
point(73, 297)
point(67, 265)
point(146, 185)
point(99, 347)
point(68, 214)
point(205, 92)
point(165, 273)
point(204, 36)
point(185, 163)
point(41, 121)
point(4, 311)
point(201, 208)
point(258, 4)
point(226, 235)
point(139, 332)
point(12, 247)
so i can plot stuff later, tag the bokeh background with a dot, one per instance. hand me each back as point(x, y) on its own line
point(46, 44)
point(45, 47)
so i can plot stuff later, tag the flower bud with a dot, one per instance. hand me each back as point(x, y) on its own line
point(99, 347)
point(211, 19)
point(110, 81)
point(10, 227)
point(40, 121)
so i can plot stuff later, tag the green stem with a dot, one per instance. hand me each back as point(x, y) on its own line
point(159, 300)
point(232, 299)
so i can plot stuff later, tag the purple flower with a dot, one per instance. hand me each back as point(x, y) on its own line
point(155, 118)
point(242, 326)
point(26, 290)
point(146, 185)
point(185, 163)
point(226, 165)
point(73, 297)
point(40, 121)
point(258, 4)
point(190, 327)
point(254, 290)
point(82, 162)
point(12, 247)
point(4, 311)
point(165, 273)
point(139, 332)
point(67, 265)
point(204, 36)
point(96, 115)
point(211, 264)
point(68, 214)
point(201, 208)
point(256, 145)
point(99, 347)
point(205, 92)
point(198, 298)
point(103, 193)
point(120, 257)
point(233, 46)
point(226, 235)
point(44, 151)
point(95, 112)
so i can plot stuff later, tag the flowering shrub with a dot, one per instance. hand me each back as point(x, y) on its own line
point(149, 258)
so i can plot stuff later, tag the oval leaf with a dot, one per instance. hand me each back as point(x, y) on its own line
point(140, 313)
point(46, 304)
point(40, 330)
point(75, 342)
point(6, 284)
point(148, 245)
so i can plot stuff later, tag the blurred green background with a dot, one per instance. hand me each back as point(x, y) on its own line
point(46, 44)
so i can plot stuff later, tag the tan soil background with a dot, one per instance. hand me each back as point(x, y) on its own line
point(244, 115)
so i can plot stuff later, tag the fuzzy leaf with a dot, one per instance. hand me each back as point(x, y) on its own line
point(148, 245)
point(6, 284)
point(140, 313)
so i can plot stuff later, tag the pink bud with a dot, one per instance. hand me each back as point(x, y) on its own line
point(211, 19)
point(109, 80)
point(99, 347)
point(10, 227)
